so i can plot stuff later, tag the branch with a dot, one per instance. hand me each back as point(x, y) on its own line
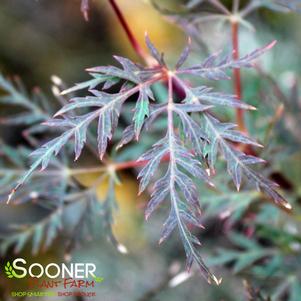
point(136, 46)
point(237, 77)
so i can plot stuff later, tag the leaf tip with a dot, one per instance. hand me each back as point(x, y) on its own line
point(10, 196)
point(140, 190)
point(202, 227)
point(288, 206)
point(252, 108)
point(211, 184)
point(86, 16)
point(64, 92)
point(271, 45)
point(219, 281)
point(216, 281)
point(146, 216)
point(91, 69)
point(189, 41)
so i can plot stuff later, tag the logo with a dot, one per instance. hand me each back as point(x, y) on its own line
point(20, 269)
point(62, 276)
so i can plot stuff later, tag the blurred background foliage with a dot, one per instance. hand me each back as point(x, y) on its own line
point(246, 237)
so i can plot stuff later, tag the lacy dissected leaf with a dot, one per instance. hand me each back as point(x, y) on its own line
point(51, 185)
point(191, 129)
point(130, 71)
point(128, 134)
point(205, 95)
point(220, 134)
point(154, 157)
point(34, 107)
point(90, 211)
point(107, 112)
point(238, 162)
point(57, 192)
point(41, 234)
point(250, 253)
point(90, 84)
point(178, 186)
point(216, 65)
point(103, 107)
point(109, 205)
point(94, 213)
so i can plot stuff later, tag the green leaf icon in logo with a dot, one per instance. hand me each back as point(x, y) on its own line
point(10, 273)
point(98, 279)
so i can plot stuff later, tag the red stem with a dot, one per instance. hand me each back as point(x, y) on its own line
point(237, 77)
point(127, 30)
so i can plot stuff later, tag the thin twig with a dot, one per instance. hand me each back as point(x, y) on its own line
point(136, 46)
point(237, 76)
